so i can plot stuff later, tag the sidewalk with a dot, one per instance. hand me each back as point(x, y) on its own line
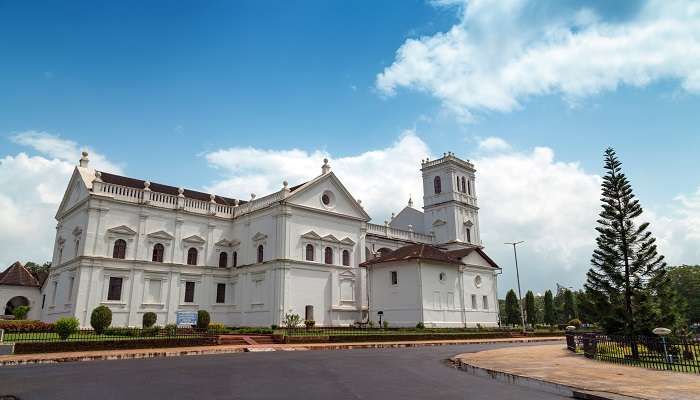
point(547, 366)
point(201, 350)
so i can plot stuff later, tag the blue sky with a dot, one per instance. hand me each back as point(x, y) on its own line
point(158, 88)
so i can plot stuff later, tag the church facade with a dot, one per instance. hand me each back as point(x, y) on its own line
point(309, 249)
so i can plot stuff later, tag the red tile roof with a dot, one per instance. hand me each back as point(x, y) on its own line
point(17, 275)
point(415, 252)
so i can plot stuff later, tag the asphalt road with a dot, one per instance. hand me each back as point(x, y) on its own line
point(415, 373)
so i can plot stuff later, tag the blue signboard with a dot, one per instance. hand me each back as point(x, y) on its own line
point(186, 318)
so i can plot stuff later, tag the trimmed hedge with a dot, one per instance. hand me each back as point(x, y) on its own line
point(149, 319)
point(54, 347)
point(416, 337)
point(12, 326)
point(101, 319)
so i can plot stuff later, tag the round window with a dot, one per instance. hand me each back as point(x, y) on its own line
point(326, 199)
point(477, 281)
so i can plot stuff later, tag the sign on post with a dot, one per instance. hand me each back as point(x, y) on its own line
point(186, 318)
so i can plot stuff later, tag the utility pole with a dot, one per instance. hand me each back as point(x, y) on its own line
point(517, 274)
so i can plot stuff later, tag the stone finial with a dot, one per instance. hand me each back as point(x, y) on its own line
point(386, 222)
point(359, 202)
point(410, 201)
point(285, 185)
point(325, 168)
point(98, 176)
point(392, 216)
point(146, 185)
point(212, 198)
point(84, 160)
point(180, 192)
point(236, 202)
point(252, 196)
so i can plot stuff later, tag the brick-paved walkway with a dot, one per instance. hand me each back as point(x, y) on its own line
point(199, 350)
point(554, 363)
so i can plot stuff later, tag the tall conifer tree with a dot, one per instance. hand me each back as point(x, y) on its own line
point(530, 308)
point(550, 314)
point(627, 271)
point(512, 308)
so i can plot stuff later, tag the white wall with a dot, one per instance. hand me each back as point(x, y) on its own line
point(32, 294)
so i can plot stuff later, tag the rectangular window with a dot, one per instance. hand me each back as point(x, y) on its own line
point(53, 294)
point(114, 292)
point(485, 300)
point(189, 292)
point(43, 301)
point(474, 302)
point(394, 278)
point(69, 295)
point(450, 300)
point(153, 289)
point(221, 293)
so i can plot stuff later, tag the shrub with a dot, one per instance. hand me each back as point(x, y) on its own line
point(310, 323)
point(20, 312)
point(420, 325)
point(575, 322)
point(273, 327)
point(217, 327)
point(150, 331)
point(100, 319)
point(170, 329)
point(370, 323)
point(66, 326)
point(385, 324)
point(149, 319)
point(292, 320)
point(25, 326)
point(127, 332)
point(203, 319)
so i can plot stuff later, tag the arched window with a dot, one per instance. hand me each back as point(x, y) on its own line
point(235, 259)
point(119, 249)
point(464, 186)
point(158, 251)
point(309, 252)
point(223, 259)
point(328, 255)
point(192, 256)
point(469, 187)
point(346, 257)
point(261, 253)
point(437, 185)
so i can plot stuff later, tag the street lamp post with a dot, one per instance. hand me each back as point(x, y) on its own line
point(517, 274)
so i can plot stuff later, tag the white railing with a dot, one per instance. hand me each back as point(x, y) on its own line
point(394, 233)
point(162, 200)
point(260, 203)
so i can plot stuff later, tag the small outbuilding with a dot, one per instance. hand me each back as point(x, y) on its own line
point(20, 287)
point(433, 285)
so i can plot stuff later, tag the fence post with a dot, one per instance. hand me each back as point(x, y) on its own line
point(589, 345)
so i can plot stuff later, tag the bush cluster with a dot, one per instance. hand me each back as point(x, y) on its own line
point(66, 326)
point(11, 326)
point(310, 323)
point(20, 312)
point(149, 319)
point(100, 319)
point(203, 319)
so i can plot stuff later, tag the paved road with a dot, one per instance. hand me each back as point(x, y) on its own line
point(417, 373)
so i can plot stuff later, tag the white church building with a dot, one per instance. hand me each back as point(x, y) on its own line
point(138, 246)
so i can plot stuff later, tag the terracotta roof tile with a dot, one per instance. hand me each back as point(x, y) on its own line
point(415, 252)
point(17, 275)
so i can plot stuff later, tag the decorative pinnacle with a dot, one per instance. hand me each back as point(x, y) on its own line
point(410, 201)
point(236, 202)
point(146, 185)
point(84, 159)
point(252, 196)
point(285, 185)
point(180, 192)
point(212, 198)
point(98, 176)
point(325, 168)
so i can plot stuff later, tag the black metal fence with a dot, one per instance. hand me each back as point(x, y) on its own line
point(663, 353)
point(110, 334)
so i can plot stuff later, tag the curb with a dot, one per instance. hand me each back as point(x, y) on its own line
point(259, 348)
point(537, 384)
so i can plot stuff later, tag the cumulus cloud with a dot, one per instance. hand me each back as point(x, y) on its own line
point(499, 55)
point(261, 172)
point(493, 144)
point(31, 189)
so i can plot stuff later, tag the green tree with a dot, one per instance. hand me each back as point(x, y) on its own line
point(584, 307)
point(550, 315)
point(685, 280)
point(530, 308)
point(627, 274)
point(512, 308)
point(569, 306)
point(36, 268)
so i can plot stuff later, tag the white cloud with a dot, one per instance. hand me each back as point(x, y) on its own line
point(493, 144)
point(496, 56)
point(31, 188)
point(261, 172)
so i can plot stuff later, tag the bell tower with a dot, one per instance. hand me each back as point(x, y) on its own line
point(449, 198)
